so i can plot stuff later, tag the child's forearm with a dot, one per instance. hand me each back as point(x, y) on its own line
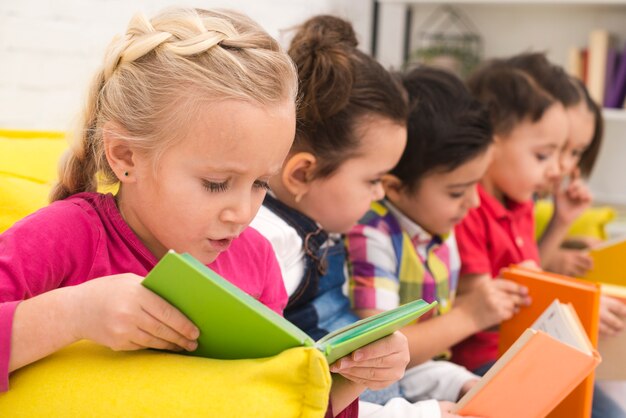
point(41, 326)
point(343, 392)
point(551, 240)
point(443, 332)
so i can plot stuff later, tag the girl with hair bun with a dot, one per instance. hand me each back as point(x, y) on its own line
point(350, 131)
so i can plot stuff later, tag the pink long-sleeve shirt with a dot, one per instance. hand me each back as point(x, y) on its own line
point(84, 237)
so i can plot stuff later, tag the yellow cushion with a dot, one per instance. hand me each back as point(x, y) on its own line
point(28, 168)
point(86, 379)
point(590, 224)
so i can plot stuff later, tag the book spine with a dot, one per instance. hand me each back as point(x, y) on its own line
point(598, 51)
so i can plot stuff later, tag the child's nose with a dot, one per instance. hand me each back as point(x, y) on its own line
point(474, 198)
point(239, 212)
point(379, 191)
point(554, 170)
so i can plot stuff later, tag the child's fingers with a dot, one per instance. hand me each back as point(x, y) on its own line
point(372, 377)
point(607, 331)
point(160, 332)
point(395, 343)
point(168, 315)
point(147, 340)
point(383, 362)
point(510, 287)
point(618, 308)
point(612, 322)
point(583, 262)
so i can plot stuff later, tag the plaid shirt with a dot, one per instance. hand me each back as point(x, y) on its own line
point(394, 261)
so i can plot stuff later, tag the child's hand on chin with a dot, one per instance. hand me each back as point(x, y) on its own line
point(378, 364)
point(118, 312)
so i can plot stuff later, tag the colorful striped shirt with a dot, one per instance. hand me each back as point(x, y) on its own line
point(394, 261)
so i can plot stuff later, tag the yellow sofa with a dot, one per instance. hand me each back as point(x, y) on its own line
point(28, 167)
point(88, 380)
point(591, 223)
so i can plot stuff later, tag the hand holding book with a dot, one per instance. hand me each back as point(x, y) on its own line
point(234, 325)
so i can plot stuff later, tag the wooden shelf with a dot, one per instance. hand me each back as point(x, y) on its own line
point(615, 114)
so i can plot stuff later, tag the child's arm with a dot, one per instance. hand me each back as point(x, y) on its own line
point(569, 262)
point(375, 366)
point(485, 303)
point(441, 380)
point(116, 311)
point(569, 204)
point(375, 288)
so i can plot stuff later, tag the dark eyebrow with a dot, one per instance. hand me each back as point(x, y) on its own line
point(466, 184)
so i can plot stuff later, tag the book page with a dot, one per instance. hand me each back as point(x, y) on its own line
point(556, 322)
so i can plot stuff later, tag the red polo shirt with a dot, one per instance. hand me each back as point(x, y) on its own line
point(491, 237)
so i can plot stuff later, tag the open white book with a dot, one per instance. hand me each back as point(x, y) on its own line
point(538, 371)
point(560, 321)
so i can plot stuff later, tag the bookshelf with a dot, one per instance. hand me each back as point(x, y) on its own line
point(512, 26)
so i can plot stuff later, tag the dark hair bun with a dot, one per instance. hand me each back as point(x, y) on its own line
point(322, 49)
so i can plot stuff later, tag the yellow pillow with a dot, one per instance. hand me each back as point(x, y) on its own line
point(88, 380)
point(590, 224)
point(28, 168)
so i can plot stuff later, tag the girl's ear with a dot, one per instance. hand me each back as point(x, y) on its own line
point(297, 173)
point(393, 187)
point(119, 154)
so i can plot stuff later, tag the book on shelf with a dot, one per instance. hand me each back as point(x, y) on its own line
point(612, 59)
point(602, 68)
point(538, 371)
point(616, 92)
point(609, 262)
point(599, 42)
point(575, 66)
point(543, 288)
point(234, 325)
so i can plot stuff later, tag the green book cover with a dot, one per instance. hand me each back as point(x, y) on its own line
point(234, 325)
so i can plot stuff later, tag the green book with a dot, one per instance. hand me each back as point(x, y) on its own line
point(234, 325)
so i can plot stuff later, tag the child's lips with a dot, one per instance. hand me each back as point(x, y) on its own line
point(220, 244)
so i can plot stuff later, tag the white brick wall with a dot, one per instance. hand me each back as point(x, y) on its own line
point(49, 49)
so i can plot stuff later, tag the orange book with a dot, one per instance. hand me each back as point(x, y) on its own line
point(543, 288)
point(538, 371)
point(609, 263)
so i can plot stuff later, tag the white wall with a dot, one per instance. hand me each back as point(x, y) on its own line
point(50, 48)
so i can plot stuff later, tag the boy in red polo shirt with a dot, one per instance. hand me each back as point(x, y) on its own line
point(530, 127)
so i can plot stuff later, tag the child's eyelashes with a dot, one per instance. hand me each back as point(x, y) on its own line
point(215, 187)
point(542, 157)
point(263, 185)
point(375, 182)
point(456, 195)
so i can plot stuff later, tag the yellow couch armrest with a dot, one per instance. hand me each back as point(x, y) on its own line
point(86, 379)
